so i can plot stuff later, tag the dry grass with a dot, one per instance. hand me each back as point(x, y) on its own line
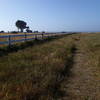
point(36, 72)
point(91, 45)
point(84, 81)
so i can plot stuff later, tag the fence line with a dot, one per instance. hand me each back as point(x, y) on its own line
point(24, 37)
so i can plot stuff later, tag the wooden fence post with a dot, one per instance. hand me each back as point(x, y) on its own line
point(25, 37)
point(35, 36)
point(42, 35)
point(9, 40)
point(48, 36)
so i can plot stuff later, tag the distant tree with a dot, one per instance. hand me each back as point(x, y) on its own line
point(43, 31)
point(36, 31)
point(28, 30)
point(14, 32)
point(20, 25)
point(63, 32)
point(2, 32)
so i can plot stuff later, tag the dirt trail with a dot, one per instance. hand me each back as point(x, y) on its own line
point(81, 85)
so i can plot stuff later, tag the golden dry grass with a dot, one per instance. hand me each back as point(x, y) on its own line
point(39, 72)
point(33, 73)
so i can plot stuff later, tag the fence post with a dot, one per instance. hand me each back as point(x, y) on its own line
point(9, 40)
point(42, 35)
point(48, 36)
point(25, 37)
point(35, 36)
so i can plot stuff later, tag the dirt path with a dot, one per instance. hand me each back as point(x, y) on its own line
point(81, 85)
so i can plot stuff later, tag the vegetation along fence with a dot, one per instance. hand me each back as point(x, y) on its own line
point(10, 39)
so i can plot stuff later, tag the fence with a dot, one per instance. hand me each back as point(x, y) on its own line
point(10, 39)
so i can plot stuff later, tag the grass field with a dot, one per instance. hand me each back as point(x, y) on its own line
point(84, 84)
point(40, 72)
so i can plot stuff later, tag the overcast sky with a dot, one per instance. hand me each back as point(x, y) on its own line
point(51, 15)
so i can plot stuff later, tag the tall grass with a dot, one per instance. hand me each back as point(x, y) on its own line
point(37, 72)
point(90, 45)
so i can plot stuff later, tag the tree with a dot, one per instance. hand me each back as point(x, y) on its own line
point(43, 31)
point(28, 29)
point(1, 31)
point(20, 25)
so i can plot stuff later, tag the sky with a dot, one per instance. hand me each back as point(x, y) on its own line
point(51, 15)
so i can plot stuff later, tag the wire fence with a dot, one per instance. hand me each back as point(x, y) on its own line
point(11, 39)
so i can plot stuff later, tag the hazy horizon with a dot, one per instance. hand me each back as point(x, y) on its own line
point(51, 15)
